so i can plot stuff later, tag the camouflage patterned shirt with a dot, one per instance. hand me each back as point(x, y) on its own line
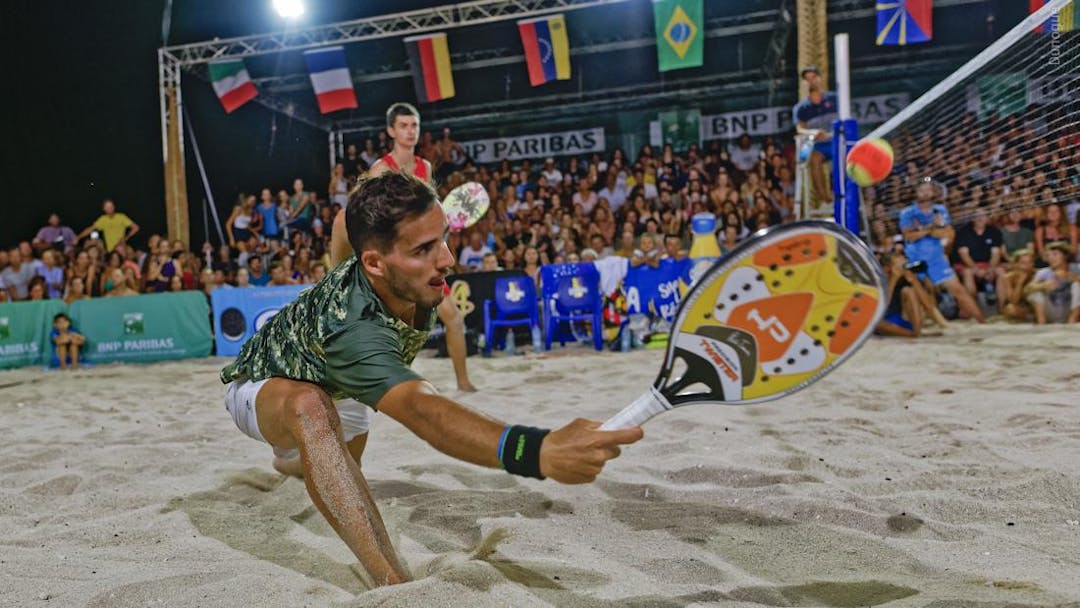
point(337, 334)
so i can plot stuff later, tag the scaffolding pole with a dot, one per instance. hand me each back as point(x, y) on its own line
point(813, 38)
point(172, 150)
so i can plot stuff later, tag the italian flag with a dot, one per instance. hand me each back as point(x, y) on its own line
point(232, 83)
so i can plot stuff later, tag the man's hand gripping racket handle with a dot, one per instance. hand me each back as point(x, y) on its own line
point(644, 407)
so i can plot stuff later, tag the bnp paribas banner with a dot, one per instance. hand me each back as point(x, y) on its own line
point(870, 110)
point(144, 328)
point(536, 145)
point(24, 332)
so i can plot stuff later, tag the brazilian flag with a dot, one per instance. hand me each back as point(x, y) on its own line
point(680, 33)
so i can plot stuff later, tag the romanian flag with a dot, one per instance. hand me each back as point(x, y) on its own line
point(429, 58)
point(547, 50)
point(901, 22)
point(1066, 20)
point(330, 79)
point(231, 83)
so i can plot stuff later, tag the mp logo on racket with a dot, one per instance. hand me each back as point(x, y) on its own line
point(774, 325)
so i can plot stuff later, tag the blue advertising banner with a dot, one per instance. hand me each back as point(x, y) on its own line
point(655, 291)
point(240, 312)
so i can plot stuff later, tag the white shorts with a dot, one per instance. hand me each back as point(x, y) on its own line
point(240, 403)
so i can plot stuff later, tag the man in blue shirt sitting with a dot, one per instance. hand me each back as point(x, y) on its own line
point(924, 224)
point(813, 118)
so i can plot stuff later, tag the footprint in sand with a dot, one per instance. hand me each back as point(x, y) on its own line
point(137, 594)
point(254, 511)
point(250, 512)
point(903, 523)
point(734, 478)
point(65, 485)
point(470, 477)
point(449, 520)
point(824, 593)
point(545, 378)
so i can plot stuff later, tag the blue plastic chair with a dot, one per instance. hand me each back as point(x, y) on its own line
point(571, 292)
point(514, 305)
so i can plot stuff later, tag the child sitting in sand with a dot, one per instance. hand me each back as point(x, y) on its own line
point(66, 342)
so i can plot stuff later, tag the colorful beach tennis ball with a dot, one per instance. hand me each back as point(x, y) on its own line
point(869, 161)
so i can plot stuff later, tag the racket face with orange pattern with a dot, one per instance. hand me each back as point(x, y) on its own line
point(775, 315)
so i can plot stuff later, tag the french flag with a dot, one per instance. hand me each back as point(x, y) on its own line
point(330, 79)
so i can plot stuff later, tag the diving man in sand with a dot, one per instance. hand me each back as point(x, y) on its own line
point(349, 340)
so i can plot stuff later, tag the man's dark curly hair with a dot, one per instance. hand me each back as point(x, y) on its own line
point(378, 204)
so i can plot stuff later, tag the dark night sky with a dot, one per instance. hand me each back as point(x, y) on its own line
point(80, 102)
point(82, 121)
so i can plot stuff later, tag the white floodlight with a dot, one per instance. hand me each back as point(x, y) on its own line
point(289, 9)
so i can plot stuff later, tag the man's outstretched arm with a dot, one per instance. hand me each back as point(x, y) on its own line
point(575, 453)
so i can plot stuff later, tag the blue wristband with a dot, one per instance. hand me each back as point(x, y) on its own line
point(502, 442)
point(520, 450)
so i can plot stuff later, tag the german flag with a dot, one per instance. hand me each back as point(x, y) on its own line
point(429, 59)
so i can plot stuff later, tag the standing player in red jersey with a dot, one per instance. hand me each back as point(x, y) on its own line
point(403, 127)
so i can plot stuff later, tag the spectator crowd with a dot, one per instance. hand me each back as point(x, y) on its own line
point(1016, 205)
point(1010, 188)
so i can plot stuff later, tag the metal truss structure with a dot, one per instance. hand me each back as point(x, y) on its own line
point(194, 57)
point(371, 28)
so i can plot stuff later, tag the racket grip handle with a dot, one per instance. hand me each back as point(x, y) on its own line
point(643, 408)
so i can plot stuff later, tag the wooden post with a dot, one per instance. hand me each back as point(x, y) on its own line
point(813, 37)
point(176, 204)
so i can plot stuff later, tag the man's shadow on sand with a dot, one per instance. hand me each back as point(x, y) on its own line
point(257, 512)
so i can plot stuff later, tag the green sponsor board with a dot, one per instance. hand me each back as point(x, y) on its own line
point(1001, 94)
point(144, 328)
point(681, 128)
point(24, 332)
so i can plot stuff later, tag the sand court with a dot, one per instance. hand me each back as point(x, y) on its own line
point(938, 472)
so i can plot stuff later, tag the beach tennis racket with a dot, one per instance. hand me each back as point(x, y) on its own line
point(772, 317)
point(465, 205)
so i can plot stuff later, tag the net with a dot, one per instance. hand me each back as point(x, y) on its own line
point(1000, 133)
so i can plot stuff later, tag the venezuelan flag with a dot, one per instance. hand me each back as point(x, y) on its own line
point(429, 60)
point(903, 22)
point(547, 49)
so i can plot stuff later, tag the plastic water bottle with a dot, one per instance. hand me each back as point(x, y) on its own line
point(626, 338)
point(704, 245)
point(538, 344)
point(806, 149)
point(510, 349)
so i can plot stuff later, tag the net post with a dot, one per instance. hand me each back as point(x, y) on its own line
point(839, 151)
point(850, 198)
point(843, 76)
point(845, 135)
point(845, 191)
